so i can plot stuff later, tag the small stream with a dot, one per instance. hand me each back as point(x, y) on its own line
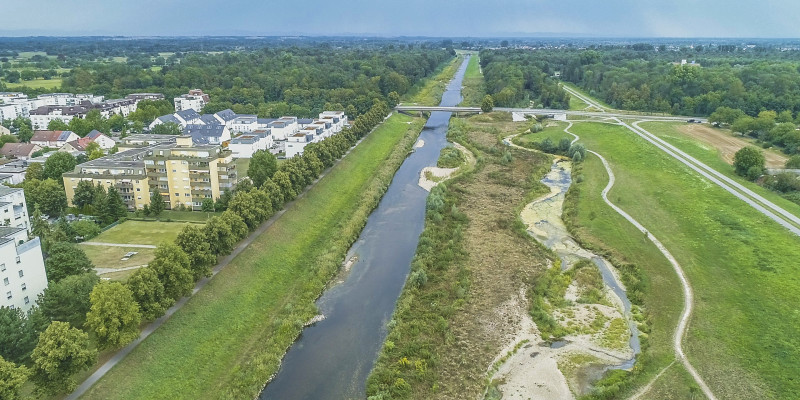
point(554, 235)
point(333, 357)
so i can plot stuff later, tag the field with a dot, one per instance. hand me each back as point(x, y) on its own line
point(473, 86)
point(428, 92)
point(229, 338)
point(742, 266)
point(177, 216)
point(109, 256)
point(711, 156)
point(36, 84)
point(552, 129)
point(141, 232)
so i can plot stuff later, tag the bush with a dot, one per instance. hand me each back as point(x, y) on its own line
point(450, 157)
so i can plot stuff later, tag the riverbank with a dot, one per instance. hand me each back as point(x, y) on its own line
point(474, 84)
point(452, 320)
point(429, 91)
point(229, 338)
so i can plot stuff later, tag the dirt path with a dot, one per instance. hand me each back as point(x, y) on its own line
point(728, 144)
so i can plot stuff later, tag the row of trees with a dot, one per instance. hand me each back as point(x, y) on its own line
point(515, 78)
point(55, 340)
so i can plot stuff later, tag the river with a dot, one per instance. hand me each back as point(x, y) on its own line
point(332, 358)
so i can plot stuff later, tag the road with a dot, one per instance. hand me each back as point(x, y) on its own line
point(547, 111)
point(583, 98)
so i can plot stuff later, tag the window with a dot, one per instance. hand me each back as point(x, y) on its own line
point(21, 274)
point(27, 300)
point(18, 260)
point(5, 281)
point(187, 194)
point(24, 287)
point(8, 295)
point(177, 194)
point(3, 267)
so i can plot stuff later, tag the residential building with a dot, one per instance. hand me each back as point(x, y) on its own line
point(9, 111)
point(76, 146)
point(13, 210)
point(145, 96)
point(245, 145)
point(54, 139)
point(284, 127)
point(338, 119)
point(182, 118)
point(245, 123)
point(22, 273)
point(4, 130)
point(183, 172)
point(41, 116)
point(102, 140)
point(194, 100)
point(208, 134)
point(11, 173)
point(22, 151)
point(295, 144)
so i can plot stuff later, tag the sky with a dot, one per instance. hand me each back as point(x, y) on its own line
point(440, 18)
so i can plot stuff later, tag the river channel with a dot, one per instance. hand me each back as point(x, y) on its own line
point(332, 358)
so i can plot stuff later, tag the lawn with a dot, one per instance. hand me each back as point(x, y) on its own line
point(110, 256)
point(37, 84)
point(576, 103)
point(711, 157)
point(553, 130)
point(230, 337)
point(743, 267)
point(178, 216)
point(141, 232)
point(474, 87)
point(428, 92)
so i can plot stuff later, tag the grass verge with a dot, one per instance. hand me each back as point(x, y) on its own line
point(428, 92)
point(230, 337)
point(474, 85)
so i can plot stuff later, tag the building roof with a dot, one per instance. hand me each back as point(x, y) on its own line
point(188, 114)
point(50, 136)
point(65, 110)
point(226, 115)
point(209, 119)
point(18, 149)
point(265, 121)
point(169, 118)
point(305, 121)
point(5, 190)
point(249, 138)
point(94, 134)
point(80, 144)
point(202, 133)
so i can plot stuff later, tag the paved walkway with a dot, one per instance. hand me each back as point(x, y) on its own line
point(141, 246)
point(151, 327)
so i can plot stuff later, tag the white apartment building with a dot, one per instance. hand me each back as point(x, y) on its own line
point(13, 209)
point(337, 119)
point(194, 100)
point(284, 127)
point(41, 117)
point(22, 272)
point(296, 143)
point(245, 145)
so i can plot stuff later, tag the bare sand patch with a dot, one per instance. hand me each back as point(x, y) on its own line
point(727, 144)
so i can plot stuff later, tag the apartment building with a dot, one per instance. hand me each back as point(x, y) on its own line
point(245, 145)
point(182, 172)
point(194, 100)
point(13, 209)
point(22, 273)
point(54, 139)
point(41, 116)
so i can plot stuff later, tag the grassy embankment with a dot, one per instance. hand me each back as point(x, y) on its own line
point(711, 157)
point(474, 85)
point(473, 258)
point(552, 129)
point(742, 337)
point(230, 337)
point(428, 92)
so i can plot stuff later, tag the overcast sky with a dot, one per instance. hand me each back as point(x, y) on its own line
point(477, 18)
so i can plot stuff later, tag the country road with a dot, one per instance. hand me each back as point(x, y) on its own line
point(583, 98)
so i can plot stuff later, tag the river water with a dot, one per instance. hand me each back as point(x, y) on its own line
point(332, 358)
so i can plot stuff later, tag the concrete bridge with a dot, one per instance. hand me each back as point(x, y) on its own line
point(552, 112)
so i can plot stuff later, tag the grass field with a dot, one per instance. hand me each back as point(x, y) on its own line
point(36, 84)
point(581, 91)
point(743, 336)
point(553, 130)
point(474, 86)
point(110, 256)
point(711, 157)
point(141, 232)
point(428, 92)
point(576, 103)
point(230, 337)
point(179, 216)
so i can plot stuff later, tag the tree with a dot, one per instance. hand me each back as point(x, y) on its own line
point(219, 236)
point(171, 265)
point(85, 229)
point(57, 125)
point(148, 292)
point(25, 133)
point(726, 115)
point(747, 158)
point(156, 202)
point(57, 164)
point(17, 335)
point(84, 194)
point(68, 300)
point(743, 125)
point(263, 165)
point(39, 226)
point(34, 171)
point(193, 241)
point(784, 116)
point(237, 224)
point(12, 378)
point(114, 208)
point(8, 139)
point(487, 105)
point(62, 352)
point(208, 205)
point(93, 151)
point(167, 128)
point(48, 194)
point(66, 259)
point(793, 162)
point(114, 316)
